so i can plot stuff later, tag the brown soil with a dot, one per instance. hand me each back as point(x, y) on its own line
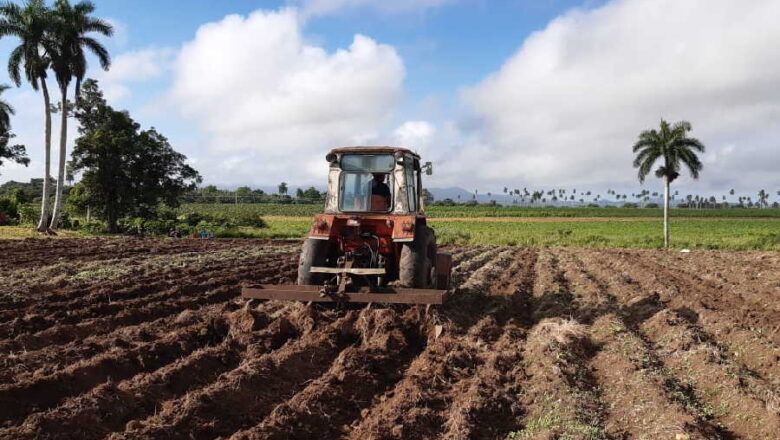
point(145, 339)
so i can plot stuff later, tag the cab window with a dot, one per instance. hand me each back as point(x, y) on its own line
point(366, 192)
point(411, 188)
point(368, 163)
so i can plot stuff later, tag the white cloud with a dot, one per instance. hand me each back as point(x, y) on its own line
point(566, 107)
point(121, 35)
point(418, 135)
point(321, 7)
point(134, 66)
point(253, 85)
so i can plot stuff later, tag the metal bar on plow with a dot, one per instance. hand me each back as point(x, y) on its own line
point(312, 293)
point(351, 270)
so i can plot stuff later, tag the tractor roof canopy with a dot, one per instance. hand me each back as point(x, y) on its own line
point(373, 150)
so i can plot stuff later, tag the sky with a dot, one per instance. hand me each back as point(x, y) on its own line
point(505, 93)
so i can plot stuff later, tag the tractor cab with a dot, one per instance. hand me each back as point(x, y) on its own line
point(372, 242)
point(382, 180)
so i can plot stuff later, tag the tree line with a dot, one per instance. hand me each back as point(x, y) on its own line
point(643, 198)
point(125, 170)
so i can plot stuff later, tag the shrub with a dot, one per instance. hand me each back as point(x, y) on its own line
point(630, 205)
point(93, 227)
point(223, 221)
point(9, 212)
point(29, 214)
point(652, 205)
point(65, 221)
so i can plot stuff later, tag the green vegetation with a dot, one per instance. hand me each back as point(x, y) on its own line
point(733, 234)
point(15, 153)
point(307, 210)
point(736, 229)
point(127, 172)
point(741, 234)
point(757, 229)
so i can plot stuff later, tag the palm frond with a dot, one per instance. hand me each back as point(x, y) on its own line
point(647, 138)
point(681, 127)
point(15, 65)
point(99, 50)
point(692, 162)
point(8, 28)
point(84, 7)
point(645, 153)
point(691, 143)
point(646, 164)
point(92, 24)
point(671, 143)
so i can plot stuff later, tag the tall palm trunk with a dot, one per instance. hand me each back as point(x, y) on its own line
point(43, 224)
point(666, 211)
point(55, 218)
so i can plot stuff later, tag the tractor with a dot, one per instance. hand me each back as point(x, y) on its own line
point(372, 243)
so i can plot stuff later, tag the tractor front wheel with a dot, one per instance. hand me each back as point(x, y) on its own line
point(314, 253)
point(418, 259)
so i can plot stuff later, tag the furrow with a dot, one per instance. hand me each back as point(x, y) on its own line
point(110, 406)
point(562, 395)
point(40, 393)
point(102, 297)
point(722, 387)
point(462, 271)
point(246, 394)
point(63, 334)
point(485, 405)
point(749, 343)
point(616, 332)
point(360, 374)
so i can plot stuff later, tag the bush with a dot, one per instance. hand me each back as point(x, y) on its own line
point(9, 213)
point(65, 221)
point(652, 205)
point(29, 214)
point(223, 221)
point(93, 227)
point(630, 205)
point(445, 202)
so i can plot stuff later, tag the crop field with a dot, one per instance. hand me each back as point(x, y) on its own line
point(147, 339)
point(731, 229)
point(307, 210)
point(694, 233)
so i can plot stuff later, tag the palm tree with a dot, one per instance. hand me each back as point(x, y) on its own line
point(16, 153)
point(671, 144)
point(30, 24)
point(66, 45)
point(5, 111)
point(763, 196)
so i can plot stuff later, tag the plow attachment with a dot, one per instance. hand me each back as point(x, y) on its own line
point(387, 295)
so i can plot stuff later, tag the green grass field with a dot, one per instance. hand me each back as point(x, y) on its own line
point(266, 209)
point(734, 229)
point(733, 234)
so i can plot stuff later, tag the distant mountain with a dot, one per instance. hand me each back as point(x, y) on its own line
point(451, 193)
point(454, 191)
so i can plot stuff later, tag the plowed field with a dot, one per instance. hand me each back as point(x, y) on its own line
point(143, 339)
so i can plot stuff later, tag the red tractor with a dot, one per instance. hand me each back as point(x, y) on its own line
point(372, 243)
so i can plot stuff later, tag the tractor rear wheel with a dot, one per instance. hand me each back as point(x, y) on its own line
point(314, 253)
point(415, 268)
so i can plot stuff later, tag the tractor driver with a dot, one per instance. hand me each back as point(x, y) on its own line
point(380, 193)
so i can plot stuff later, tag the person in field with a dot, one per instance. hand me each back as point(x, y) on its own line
point(380, 193)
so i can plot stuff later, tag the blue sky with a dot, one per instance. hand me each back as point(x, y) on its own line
point(498, 93)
